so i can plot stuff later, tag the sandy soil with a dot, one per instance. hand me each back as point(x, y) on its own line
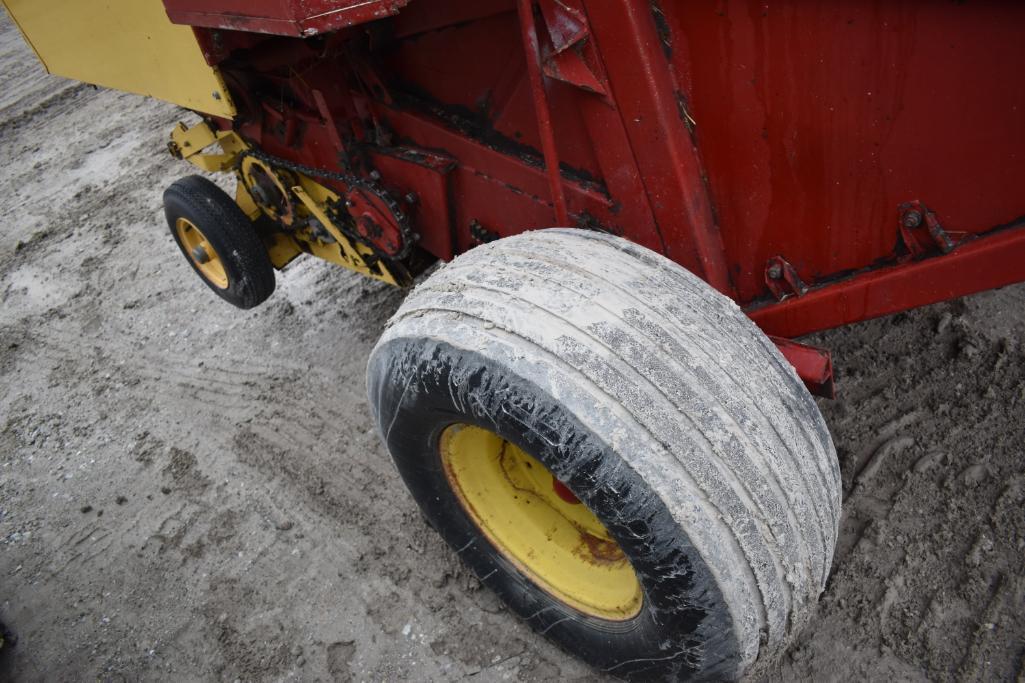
point(188, 491)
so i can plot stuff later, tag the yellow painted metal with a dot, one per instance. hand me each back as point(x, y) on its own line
point(561, 546)
point(245, 202)
point(123, 44)
point(201, 253)
point(283, 249)
point(258, 173)
point(192, 143)
point(342, 250)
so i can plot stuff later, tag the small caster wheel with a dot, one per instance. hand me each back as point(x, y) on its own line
point(219, 241)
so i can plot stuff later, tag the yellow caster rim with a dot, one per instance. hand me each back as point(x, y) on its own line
point(201, 253)
point(538, 525)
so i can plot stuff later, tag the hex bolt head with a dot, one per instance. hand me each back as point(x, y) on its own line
point(374, 175)
point(775, 271)
point(912, 218)
point(411, 198)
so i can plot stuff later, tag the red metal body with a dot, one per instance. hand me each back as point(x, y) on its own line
point(281, 17)
point(786, 153)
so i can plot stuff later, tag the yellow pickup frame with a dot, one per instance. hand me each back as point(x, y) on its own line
point(192, 143)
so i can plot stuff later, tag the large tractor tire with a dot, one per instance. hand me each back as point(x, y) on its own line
point(615, 450)
point(219, 241)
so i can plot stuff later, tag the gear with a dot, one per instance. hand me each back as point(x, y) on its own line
point(374, 220)
point(375, 217)
point(270, 189)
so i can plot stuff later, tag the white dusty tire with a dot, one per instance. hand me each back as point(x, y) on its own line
point(663, 409)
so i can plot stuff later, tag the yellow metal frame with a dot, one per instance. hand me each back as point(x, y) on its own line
point(123, 44)
point(192, 144)
point(560, 545)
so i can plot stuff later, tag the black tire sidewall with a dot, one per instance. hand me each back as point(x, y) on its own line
point(231, 234)
point(683, 610)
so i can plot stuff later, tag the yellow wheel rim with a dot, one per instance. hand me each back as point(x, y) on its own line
point(537, 524)
point(201, 253)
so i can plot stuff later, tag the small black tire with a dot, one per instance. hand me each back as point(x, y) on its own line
point(243, 275)
point(662, 408)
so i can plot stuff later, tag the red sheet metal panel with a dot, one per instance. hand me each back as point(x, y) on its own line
point(280, 17)
point(817, 119)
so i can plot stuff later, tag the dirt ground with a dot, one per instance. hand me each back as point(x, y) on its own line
point(191, 492)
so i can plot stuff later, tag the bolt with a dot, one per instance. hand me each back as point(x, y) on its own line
point(775, 271)
point(411, 198)
point(374, 175)
point(216, 95)
point(199, 255)
point(912, 219)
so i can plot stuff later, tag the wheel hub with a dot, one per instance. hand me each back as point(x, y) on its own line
point(201, 253)
point(538, 524)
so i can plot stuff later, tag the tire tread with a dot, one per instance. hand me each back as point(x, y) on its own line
point(687, 367)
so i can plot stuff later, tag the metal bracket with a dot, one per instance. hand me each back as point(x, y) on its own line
point(566, 54)
point(189, 143)
point(542, 113)
point(782, 279)
point(920, 231)
point(813, 365)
